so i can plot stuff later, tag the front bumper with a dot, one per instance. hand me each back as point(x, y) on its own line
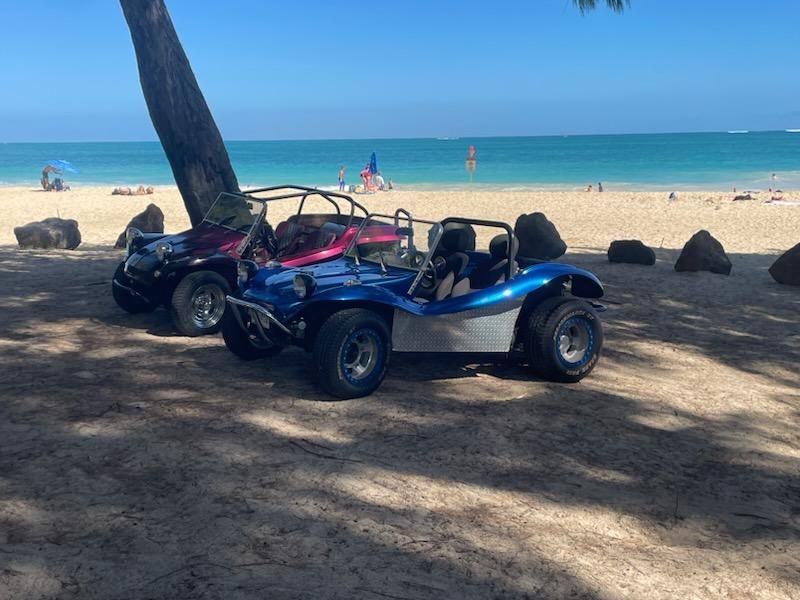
point(130, 290)
point(239, 305)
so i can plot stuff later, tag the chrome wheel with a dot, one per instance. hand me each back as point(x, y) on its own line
point(573, 341)
point(359, 355)
point(207, 306)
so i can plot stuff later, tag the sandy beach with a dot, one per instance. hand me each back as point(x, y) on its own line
point(586, 221)
point(135, 463)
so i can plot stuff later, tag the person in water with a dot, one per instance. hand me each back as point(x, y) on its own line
point(341, 178)
point(589, 189)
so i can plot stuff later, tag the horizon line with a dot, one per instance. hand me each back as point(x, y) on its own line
point(441, 138)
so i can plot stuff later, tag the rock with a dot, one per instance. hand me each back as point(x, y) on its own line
point(703, 253)
point(149, 221)
point(631, 251)
point(538, 238)
point(49, 233)
point(786, 269)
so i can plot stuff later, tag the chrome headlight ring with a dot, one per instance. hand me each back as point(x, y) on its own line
point(132, 236)
point(303, 285)
point(245, 269)
point(163, 250)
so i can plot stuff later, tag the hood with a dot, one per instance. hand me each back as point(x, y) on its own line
point(275, 286)
point(202, 240)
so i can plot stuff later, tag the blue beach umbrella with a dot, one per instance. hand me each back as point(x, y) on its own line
point(373, 164)
point(62, 165)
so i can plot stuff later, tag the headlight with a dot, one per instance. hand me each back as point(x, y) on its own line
point(245, 269)
point(132, 236)
point(163, 250)
point(303, 285)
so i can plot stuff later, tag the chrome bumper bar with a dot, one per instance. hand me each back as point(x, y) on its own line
point(260, 310)
point(131, 291)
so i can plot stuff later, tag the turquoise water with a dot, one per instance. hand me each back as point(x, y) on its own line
point(663, 161)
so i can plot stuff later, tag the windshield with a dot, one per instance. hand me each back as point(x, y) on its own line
point(407, 247)
point(234, 212)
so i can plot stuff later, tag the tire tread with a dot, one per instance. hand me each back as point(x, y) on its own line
point(183, 295)
point(328, 343)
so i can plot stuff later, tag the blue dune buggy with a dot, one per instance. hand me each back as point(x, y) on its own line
point(425, 290)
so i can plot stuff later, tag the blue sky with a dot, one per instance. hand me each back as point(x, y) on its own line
point(419, 68)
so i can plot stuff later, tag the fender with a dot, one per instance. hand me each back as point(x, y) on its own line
point(216, 262)
point(390, 294)
point(584, 283)
point(145, 240)
point(529, 280)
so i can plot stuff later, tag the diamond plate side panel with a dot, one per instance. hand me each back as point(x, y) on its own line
point(482, 330)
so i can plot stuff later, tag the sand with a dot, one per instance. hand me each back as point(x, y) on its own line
point(135, 463)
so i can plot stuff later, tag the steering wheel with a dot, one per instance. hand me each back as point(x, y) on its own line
point(434, 270)
point(269, 240)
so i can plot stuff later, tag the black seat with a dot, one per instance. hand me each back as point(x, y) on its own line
point(467, 232)
point(331, 232)
point(492, 271)
point(288, 235)
point(453, 247)
point(322, 237)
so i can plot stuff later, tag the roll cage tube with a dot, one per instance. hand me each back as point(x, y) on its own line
point(351, 246)
point(512, 253)
point(428, 258)
point(297, 191)
point(302, 191)
point(403, 211)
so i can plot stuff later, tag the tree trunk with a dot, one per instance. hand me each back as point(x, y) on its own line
point(179, 112)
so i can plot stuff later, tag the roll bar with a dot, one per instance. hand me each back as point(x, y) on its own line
point(303, 192)
point(296, 191)
point(403, 211)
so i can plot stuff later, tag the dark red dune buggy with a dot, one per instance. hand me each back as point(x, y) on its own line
point(192, 272)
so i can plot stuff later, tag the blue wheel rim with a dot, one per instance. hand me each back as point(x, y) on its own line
point(360, 357)
point(574, 342)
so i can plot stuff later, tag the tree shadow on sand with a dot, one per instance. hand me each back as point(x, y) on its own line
point(145, 466)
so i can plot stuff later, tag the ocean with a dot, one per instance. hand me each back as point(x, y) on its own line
point(646, 161)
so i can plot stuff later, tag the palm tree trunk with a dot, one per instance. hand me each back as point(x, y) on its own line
point(179, 112)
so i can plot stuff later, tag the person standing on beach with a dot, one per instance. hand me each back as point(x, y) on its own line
point(341, 178)
point(599, 186)
point(365, 177)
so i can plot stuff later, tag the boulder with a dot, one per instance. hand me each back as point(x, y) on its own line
point(49, 233)
point(786, 269)
point(151, 220)
point(631, 251)
point(538, 238)
point(703, 253)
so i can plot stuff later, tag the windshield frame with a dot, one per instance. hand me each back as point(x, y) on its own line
point(373, 219)
point(207, 221)
point(286, 192)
